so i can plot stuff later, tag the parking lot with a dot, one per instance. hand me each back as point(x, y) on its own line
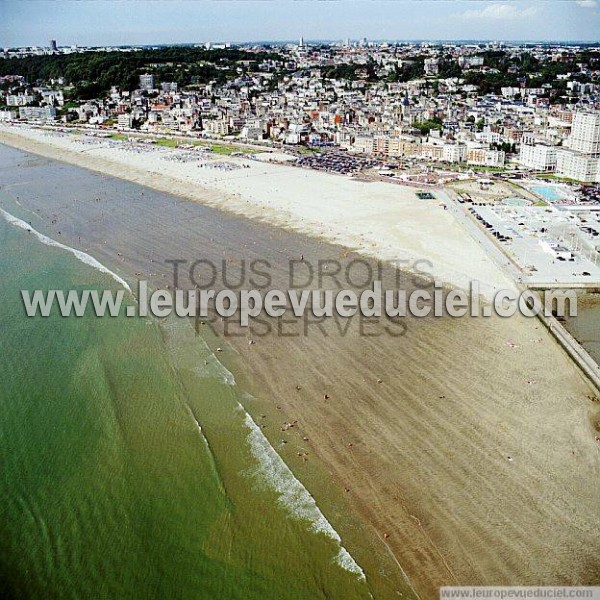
point(336, 162)
point(550, 246)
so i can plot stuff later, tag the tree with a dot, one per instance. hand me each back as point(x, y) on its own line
point(426, 126)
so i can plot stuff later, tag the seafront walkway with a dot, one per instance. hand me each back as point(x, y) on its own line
point(573, 348)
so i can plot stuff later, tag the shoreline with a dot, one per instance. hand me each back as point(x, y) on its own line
point(206, 195)
point(233, 482)
point(276, 475)
point(377, 219)
point(424, 452)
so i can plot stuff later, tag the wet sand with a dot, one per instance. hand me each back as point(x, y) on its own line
point(377, 219)
point(467, 444)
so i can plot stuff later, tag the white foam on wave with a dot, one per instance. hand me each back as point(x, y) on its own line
point(82, 256)
point(191, 352)
point(292, 494)
point(214, 368)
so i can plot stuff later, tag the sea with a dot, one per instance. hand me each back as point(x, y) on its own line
point(129, 465)
point(585, 327)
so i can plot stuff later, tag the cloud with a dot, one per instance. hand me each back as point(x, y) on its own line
point(502, 12)
point(588, 3)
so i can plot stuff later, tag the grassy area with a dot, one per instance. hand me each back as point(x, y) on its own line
point(553, 177)
point(540, 203)
point(482, 169)
point(463, 168)
point(307, 150)
point(224, 149)
point(167, 142)
point(228, 150)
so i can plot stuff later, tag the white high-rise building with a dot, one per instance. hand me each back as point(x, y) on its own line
point(432, 66)
point(538, 157)
point(578, 166)
point(585, 132)
point(580, 160)
point(146, 82)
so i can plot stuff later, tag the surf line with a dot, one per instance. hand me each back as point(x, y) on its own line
point(298, 501)
point(82, 256)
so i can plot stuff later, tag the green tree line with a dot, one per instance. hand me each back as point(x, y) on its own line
point(93, 73)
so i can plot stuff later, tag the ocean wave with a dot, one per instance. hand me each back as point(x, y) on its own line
point(82, 256)
point(212, 367)
point(189, 351)
point(292, 494)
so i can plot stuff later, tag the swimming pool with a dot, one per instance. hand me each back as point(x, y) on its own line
point(548, 192)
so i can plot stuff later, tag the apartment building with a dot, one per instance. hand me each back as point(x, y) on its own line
point(146, 82)
point(217, 127)
point(581, 160)
point(585, 133)
point(538, 157)
point(485, 157)
point(386, 145)
point(124, 121)
point(432, 66)
point(454, 153)
point(19, 99)
point(432, 151)
point(578, 166)
point(37, 112)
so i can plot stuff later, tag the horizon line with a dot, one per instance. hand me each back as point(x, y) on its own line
point(309, 41)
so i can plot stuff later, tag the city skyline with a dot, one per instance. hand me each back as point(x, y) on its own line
point(107, 22)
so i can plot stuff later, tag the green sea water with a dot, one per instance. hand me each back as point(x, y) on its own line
point(128, 467)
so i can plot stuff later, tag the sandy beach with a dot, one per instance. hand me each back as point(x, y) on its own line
point(382, 220)
point(466, 445)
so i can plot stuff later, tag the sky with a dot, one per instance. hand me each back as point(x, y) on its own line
point(130, 22)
